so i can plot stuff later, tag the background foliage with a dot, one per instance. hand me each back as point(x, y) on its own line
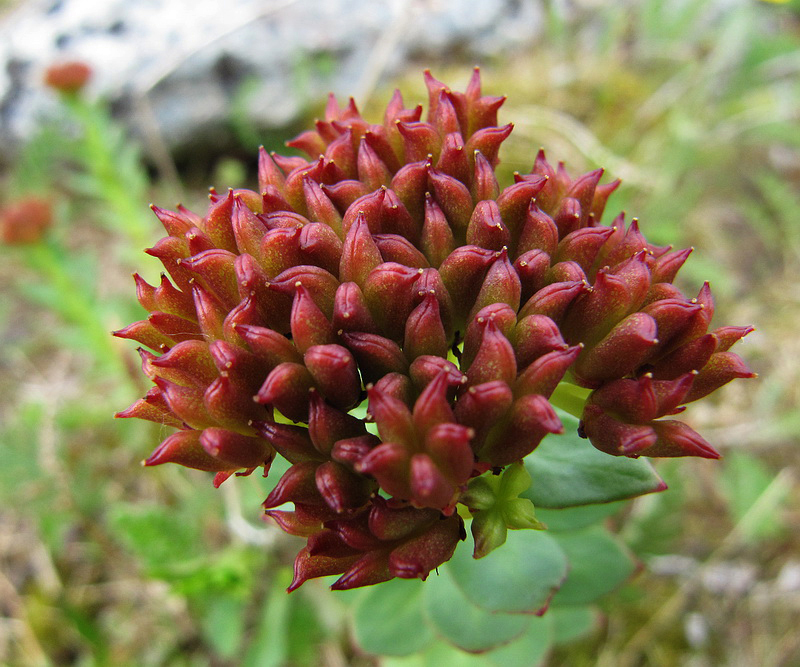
point(103, 563)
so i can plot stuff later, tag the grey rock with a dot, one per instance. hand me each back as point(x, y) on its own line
point(182, 68)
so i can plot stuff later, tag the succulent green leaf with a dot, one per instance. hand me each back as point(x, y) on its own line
point(599, 563)
point(388, 619)
point(519, 578)
point(437, 654)
point(529, 650)
point(457, 619)
point(568, 471)
point(571, 623)
point(482, 493)
point(489, 531)
point(575, 518)
point(519, 513)
point(514, 480)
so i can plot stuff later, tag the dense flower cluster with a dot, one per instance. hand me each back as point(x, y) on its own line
point(392, 322)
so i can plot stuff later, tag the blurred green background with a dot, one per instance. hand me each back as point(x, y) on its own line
point(105, 563)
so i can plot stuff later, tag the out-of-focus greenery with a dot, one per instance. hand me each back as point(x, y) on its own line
point(695, 105)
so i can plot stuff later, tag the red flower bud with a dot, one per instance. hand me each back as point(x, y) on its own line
point(291, 442)
point(494, 359)
point(437, 237)
point(392, 417)
point(389, 464)
point(629, 344)
point(515, 201)
point(463, 273)
point(286, 389)
point(68, 77)
point(352, 450)
point(484, 182)
point(417, 557)
point(320, 246)
point(231, 405)
point(376, 355)
point(342, 489)
point(505, 318)
point(538, 232)
point(425, 368)
point(186, 403)
point(501, 285)
point(529, 420)
point(453, 198)
point(453, 159)
point(534, 336)
point(215, 270)
point(677, 439)
point(424, 331)
point(615, 437)
point(335, 374)
point(410, 184)
point(309, 325)
point(433, 407)
point(25, 221)
point(397, 249)
point(691, 356)
point(419, 140)
point(298, 484)
point(184, 448)
point(239, 451)
point(390, 283)
point(327, 424)
point(321, 285)
point(544, 374)
point(350, 311)
point(532, 267)
point(721, 368)
point(482, 406)
point(487, 141)
point(582, 246)
point(486, 228)
point(152, 408)
point(553, 300)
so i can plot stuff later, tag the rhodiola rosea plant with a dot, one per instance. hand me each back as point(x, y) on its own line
point(427, 348)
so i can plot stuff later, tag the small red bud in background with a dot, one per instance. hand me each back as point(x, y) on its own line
point(25, 220)
point(68, 77)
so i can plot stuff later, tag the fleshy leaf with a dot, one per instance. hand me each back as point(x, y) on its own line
point(598, 564)
point(457, 619)
point(538, 563)
point(401, 601)
point(567, 471)
point(529, 650)
point(571, 623)
point(575, 518)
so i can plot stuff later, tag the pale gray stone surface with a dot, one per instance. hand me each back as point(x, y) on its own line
point(192, 60)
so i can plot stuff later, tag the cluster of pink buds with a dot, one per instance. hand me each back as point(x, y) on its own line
point(392, 322)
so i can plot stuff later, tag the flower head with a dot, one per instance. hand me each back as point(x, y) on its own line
point(25, 220)
point(390, 320)
point(68, 77)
